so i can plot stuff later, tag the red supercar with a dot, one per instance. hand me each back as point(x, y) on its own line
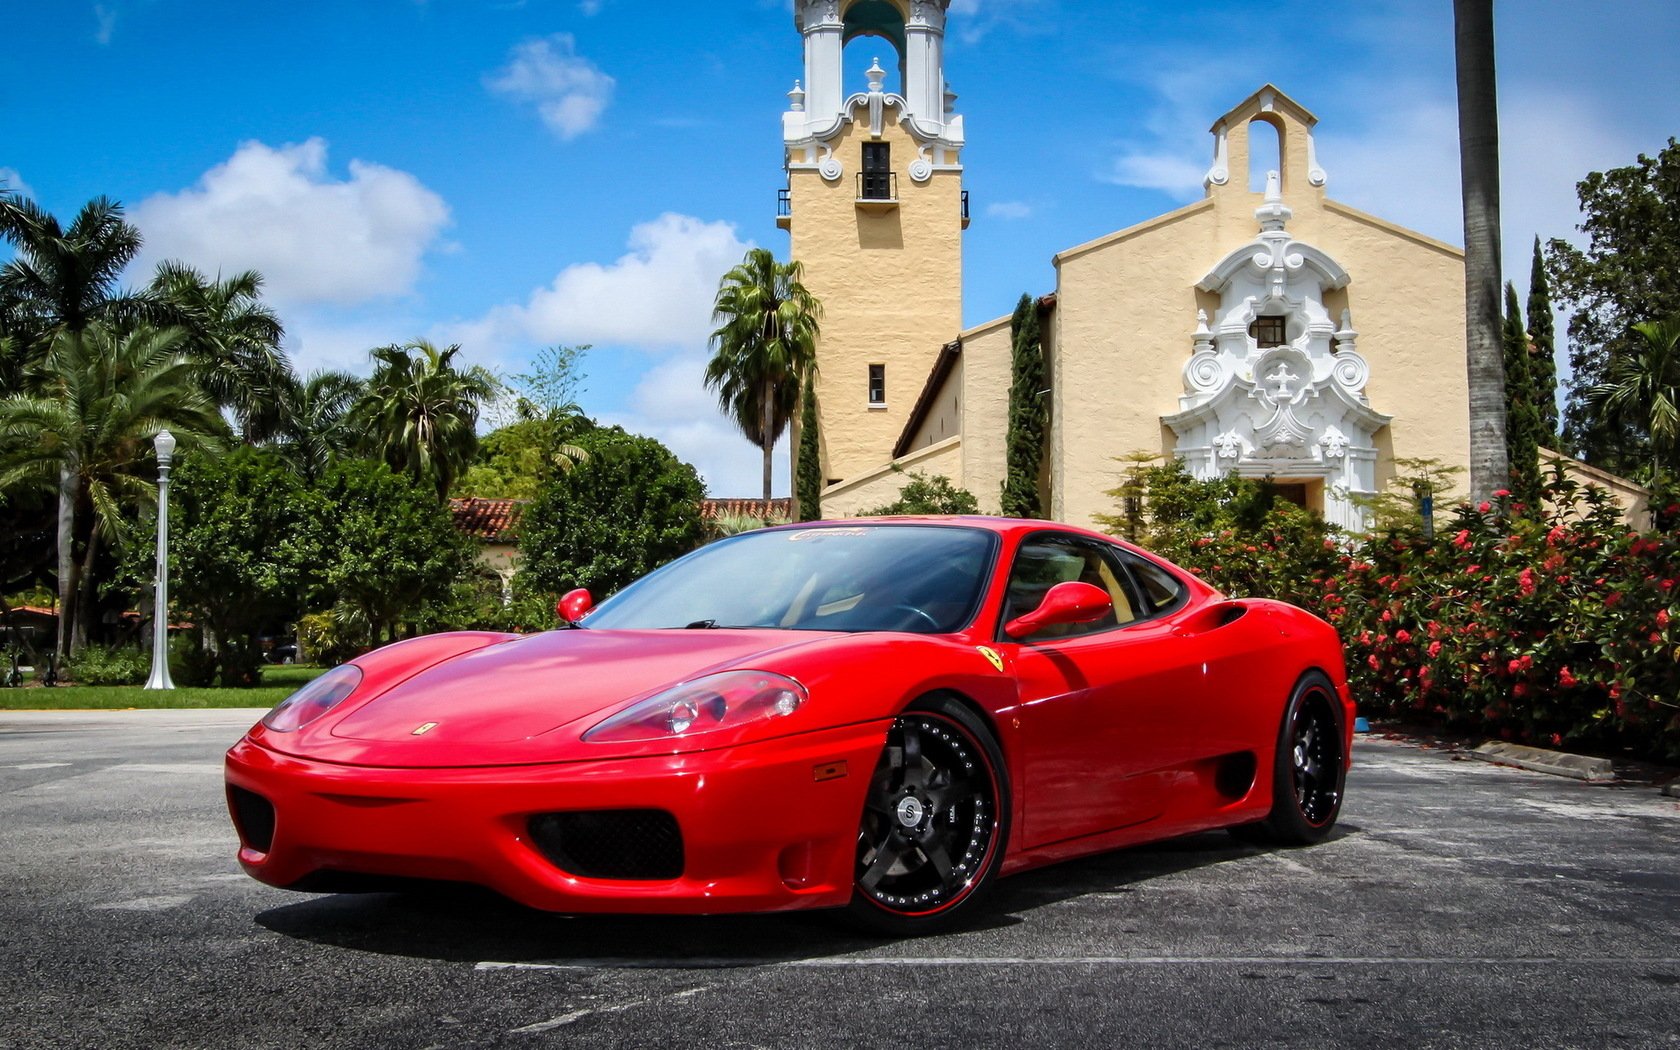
point(882, 714)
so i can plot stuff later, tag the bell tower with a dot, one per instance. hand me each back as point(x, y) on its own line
point(876, 209)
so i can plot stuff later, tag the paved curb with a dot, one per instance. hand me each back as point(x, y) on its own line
point(1580, 767)
point(1672, 789)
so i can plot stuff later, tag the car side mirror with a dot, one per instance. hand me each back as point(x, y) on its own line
point(575, 605)
point(1071, 602)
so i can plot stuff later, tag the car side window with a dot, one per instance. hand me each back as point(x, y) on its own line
point(1161, 589)
point(1044, 561)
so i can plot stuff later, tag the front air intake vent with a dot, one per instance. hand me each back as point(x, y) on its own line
point(630, 844)
point(253, 817)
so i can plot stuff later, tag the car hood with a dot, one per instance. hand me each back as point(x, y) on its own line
point(518, 701)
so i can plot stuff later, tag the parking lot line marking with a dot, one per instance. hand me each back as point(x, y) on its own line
point(26, 766)
point(578, 1015)
point(701, 963)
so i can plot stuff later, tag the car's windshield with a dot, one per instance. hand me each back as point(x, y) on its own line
point(920, 578)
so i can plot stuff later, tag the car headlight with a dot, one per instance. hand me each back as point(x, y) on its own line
point(314, 700)
point(719, 701)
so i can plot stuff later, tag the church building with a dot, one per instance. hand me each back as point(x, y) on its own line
point(1278, 333)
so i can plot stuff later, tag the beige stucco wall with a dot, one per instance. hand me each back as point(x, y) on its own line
point(1126, 307)
point(943, 418)
point(890, 281)
point(985, 425)
point(881, 486)
point(1633, 498)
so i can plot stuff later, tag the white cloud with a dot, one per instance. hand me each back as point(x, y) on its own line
point(315, 239)
point(570, 92)
point(672, 404)
point(590, 7)
point(658, 296)
point(1009, 210)
point(973, 19)
point(12, 182)
point(106, 19)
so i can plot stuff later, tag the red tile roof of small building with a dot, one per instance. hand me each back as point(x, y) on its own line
point(487, 520)
point(713, 509)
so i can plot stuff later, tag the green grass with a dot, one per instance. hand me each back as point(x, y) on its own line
point(278, 682)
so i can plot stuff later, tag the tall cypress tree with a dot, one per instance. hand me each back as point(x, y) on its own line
point(1522, 417)
point(1543, 360)
point(1024, 448)
point(808, 480)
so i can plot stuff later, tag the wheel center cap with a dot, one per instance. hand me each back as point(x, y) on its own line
point(910, 811)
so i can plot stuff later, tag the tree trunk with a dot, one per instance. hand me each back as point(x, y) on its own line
point(1478, 145)
point(66, 557)
point(84, 599)
point(767, 413)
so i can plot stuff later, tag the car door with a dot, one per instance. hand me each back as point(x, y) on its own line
point(1102, 705)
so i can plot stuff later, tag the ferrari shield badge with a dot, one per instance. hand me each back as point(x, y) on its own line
point(992, 656)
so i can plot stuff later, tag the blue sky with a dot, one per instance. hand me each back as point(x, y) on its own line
point(510, 174)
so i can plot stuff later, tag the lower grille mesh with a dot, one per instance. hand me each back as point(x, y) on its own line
point(626, 844)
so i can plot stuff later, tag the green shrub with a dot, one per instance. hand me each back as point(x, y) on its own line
point(122, 665)
point(923, 494)
point(190, 664)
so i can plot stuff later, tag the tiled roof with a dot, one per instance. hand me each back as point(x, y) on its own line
point(712, 509)
point(497, 520)
point(487, 520)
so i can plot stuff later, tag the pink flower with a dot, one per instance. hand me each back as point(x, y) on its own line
point(1662, 617)
point(1565, 678)
point(1434, 649)
point(1513, 667)
point(1402, 635)
point(1462, 540)
point(1501, 493)
point(1525, 580)
point(1484, 506)
point(1554, 536)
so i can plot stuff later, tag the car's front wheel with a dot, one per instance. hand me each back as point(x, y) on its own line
point(935, 822)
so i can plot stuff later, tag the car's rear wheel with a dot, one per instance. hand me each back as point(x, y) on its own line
point(934, 824)
point(1310, 767)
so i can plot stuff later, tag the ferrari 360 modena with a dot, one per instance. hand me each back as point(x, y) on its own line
point(880, 715)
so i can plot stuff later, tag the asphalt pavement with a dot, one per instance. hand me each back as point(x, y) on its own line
point(1459, 904)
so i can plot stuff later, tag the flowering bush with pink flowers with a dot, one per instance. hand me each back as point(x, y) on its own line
point(1555, 628)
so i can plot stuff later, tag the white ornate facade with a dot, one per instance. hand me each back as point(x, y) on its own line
point(1297, 410)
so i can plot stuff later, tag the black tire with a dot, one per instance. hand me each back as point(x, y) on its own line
point(935, 823)
point(1309, 769)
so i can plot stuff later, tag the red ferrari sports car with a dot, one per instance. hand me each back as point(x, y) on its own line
point(883, 715)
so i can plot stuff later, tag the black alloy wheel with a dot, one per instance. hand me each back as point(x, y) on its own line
point(934, 823)
point(1309, 770)
point(1315, 756)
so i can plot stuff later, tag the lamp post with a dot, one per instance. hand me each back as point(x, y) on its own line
point(165, 445)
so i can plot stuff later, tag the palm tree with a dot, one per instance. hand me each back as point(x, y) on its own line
point(104, 397)
point(315, 417)
point(1646, 383)
point(420, 413)
point(763, 347)
point(235, 338)
point(1478, 145)
point(63, 280)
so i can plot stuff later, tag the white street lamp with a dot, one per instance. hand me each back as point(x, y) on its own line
point(165, 445)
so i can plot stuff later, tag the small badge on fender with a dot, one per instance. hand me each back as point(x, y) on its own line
point(424, 728)
point(991, 655)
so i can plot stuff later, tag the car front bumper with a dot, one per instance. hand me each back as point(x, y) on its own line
point(765, 827)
